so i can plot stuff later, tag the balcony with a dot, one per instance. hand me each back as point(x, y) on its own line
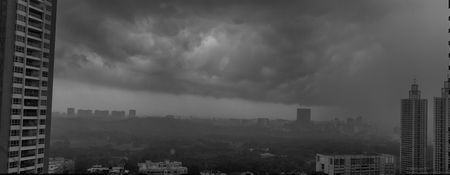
point(34, 34)
point(28, 153)
point(29, 133)
point(36, 14)
point(33, 63)
point(29, 142)
point(34, 43)
point(29, 123)
point(27, 163)
point(35, 23)
point(37, 4)
point(32, 73)
point(31, 93)
point(31, 103)
point(30, 113)
point(32, 83)
point(34, 53)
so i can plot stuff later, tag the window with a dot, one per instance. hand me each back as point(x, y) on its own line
point(46, 55)
point(21, 7)
point(41, 151)
point(14, 132)
point(17, 101)
point(20, 38)
point(17, 90)
point(13, 153)
point(46, 45)
point(47, 36)
point(43, 102)
point(14, 143)
point(39, 170)
point(13, 164)
point(20, 49)
point(43, 93)
point(18, 80)
point(44, 74)
point(43, 112)
point(40, 160)
point(47, 27)
point(18, 69)
point(44, 84)
point(45, 64)
point(21, 18)
point(41, 141)
point(15, 112)
point(42, 122)
point(20, 28)
point(41, 131)
point(18, 59)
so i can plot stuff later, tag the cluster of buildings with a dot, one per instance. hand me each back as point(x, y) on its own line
point(100, 113)
point(162, 168)
point(60, 165)
point(114, 166)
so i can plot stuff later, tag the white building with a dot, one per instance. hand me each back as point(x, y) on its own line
point(162, 168)
point(413, 133)
point(370, 164)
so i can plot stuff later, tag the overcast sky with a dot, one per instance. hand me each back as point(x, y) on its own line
point(251, 58)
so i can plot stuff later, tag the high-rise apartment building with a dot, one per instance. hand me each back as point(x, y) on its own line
point(27, 35)
point(413, 136)
point(441, 150)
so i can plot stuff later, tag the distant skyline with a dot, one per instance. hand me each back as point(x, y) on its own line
point(249, 59)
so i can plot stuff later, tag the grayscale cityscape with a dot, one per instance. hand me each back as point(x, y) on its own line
point(225, 87)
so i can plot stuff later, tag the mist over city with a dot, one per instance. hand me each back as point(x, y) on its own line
point(215, 87)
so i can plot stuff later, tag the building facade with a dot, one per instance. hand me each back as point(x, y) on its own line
point(27, 38)
point(413, 136)
point(370, 164)
point(441, 152)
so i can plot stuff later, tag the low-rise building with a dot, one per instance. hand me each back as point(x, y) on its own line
point(98, 169)
point(162, 168)
point(60, 165)
point(380, 164)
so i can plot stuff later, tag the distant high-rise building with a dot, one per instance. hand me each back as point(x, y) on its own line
point(303, 115)
point(27, 40)
point(413, 135)
point(70, 112)
point(84, 113)
point(132, 113)
point(380, 164)
point(118, 114)
point(101, 113)
point(441, 150)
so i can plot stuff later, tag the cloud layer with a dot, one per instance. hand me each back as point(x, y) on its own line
point(324, 53)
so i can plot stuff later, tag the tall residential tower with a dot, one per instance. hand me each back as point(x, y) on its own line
point(27, 39)
point(413, 133)
point(441, 162)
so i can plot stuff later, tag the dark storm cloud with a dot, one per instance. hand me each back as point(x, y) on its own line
point(276, 51)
